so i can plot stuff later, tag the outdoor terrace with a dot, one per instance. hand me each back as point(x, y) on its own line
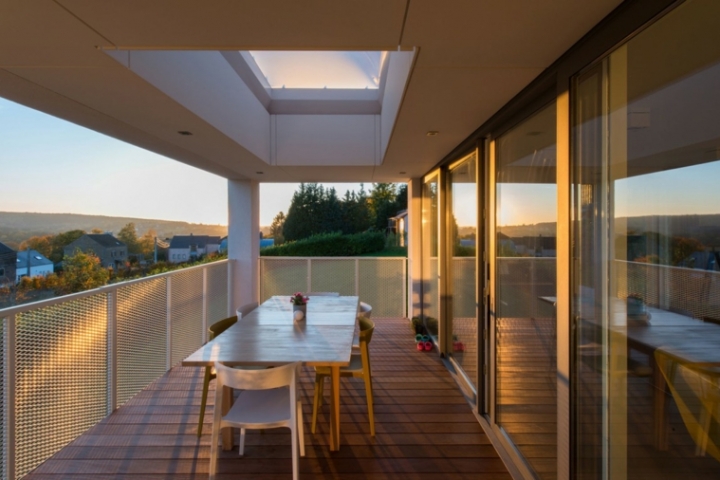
point(425, 429)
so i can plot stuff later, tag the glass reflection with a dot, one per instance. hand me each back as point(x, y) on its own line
point(646, 282)
point(526, 218)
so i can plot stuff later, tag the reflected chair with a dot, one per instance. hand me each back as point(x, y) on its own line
point(268, 399)
point(359, 368)
point(213, 331)
point(695, 387)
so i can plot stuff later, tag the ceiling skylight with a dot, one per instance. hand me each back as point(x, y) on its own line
point(346, 70)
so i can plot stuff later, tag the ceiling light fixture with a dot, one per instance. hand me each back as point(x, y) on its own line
point(432, 133)
point(184, 133)
point(402, 173)
point(260, 173)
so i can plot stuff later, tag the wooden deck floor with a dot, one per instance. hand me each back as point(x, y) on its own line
point(425, 430)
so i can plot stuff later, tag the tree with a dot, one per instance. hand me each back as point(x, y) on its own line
point(42, 244)
point(276, 228)
point(62, 240)
point(146, 244)
point(128, 235)
point(82, 271)
point(382, 204)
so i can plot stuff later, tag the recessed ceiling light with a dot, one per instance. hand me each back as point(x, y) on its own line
point(534, 133)
point(260, 173)
point(185, 132)
point(402, 173)
point(432, 133)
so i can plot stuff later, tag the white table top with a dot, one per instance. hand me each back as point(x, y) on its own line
point(268, 335)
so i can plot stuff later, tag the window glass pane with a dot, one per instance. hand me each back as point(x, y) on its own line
point(646, 282)
point(526, 216)
point(462, 274)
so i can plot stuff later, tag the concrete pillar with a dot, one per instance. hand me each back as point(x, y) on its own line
point(414, 247)
point(243, 241)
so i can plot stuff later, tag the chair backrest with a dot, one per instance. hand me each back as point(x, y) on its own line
point(323, 294)
point(257, 379)
point(219, 327)
point(246, 309)
point(695, 387)
point(367, 327)
point(365, 310)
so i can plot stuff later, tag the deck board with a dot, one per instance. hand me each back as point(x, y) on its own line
point(425, 429)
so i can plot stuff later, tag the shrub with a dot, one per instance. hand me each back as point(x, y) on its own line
point(329, 245)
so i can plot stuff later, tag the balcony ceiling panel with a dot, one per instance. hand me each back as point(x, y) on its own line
point(41, 33)
point(488, 33)
point(473, 57)
point(453, 102)
point(246, 24)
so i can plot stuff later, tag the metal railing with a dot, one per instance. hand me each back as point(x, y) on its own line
point(379, 281)
point(70, 361)
point(689, 290)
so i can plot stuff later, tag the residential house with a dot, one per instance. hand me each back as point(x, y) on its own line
point(184, 248)
point(111, 251)
point(39, 264)
point(8, 260)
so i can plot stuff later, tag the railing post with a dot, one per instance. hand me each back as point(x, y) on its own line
point(357, 277)
point(309, 275)
point(204, 305)
point(9, 393)
point(112, 350)
point(404, 262)
point(168, 358)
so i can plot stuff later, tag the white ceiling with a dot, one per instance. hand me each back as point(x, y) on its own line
point(472, 57)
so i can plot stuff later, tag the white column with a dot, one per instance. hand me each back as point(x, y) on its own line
point(244, 241)
point(414, 247)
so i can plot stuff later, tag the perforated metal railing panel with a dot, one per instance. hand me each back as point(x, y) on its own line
point(217, 293)
point(382, 285)
point(333, 275)
point(3, 396)
point(141, 336)
point(521, 281)
point(282, 276)
point(464, 291)
point(61, 376)
point(186, 313)
point(692, 291)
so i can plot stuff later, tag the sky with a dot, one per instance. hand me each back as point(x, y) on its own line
point(49, 165)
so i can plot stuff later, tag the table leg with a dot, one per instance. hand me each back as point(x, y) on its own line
point(660, 407)
point(335, 409)
point(228, 441)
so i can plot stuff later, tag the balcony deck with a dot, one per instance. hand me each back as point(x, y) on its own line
point(425, 429)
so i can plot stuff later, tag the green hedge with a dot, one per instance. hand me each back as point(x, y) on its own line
point(329, 245)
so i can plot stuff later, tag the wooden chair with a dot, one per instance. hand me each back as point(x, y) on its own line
point(359, 367)
point(364, 310)
point(268, 399)
point(213, 331)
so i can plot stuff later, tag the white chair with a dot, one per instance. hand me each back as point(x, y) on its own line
point(268, 399)
point(244, 310)
point(323, 294)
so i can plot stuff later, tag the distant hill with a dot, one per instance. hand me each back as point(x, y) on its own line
point(16, 227)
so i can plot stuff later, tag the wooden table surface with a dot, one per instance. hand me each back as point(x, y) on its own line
point(269, 336)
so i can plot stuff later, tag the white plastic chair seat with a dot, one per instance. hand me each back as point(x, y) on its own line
point(269, 408)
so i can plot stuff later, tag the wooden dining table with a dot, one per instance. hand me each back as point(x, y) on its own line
point(269, 336)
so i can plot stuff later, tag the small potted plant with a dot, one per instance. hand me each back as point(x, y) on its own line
point(635, 305)
point(299, 302)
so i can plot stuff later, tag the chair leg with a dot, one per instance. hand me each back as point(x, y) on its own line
point(206, 385)
point(214, 440)
point(241, 448)
point(317, 401)
point(369, 397)
point(294, 443)
point(301, 429)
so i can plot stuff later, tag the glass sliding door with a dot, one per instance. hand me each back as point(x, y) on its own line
point(430, 249)
point(646, 248)
point(462, 273)
point(525, 289)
